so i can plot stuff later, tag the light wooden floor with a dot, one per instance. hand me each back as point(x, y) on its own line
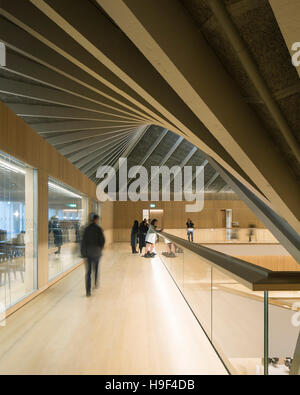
point(17, 289)
point(69, 256)
point(137, 323)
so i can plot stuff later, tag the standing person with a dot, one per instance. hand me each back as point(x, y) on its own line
point(77, 232)
point(134, 236)
point(251, 232)
point(54, 227)
point(92, 245)
point(151, 239)
point(143, 229)
point(190, 229)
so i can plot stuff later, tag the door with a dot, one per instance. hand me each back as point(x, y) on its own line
point(159, 215)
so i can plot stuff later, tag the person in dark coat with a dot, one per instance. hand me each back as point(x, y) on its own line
point(92, 244)
point(143, 229)
point(57, 234)
point(134, 236)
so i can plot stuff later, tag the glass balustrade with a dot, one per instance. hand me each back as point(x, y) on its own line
point(255, 332)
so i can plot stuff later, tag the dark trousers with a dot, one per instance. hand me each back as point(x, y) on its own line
point(134, 240)
point(142, 242)
point(92, 265)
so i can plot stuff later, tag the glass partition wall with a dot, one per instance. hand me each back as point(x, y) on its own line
point(254, 332)
point(96, 207)
point(18, 231)
point(67, 216)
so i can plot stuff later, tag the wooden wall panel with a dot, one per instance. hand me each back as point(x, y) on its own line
point(275, 263)
point(22, 142)
point(175, 216)
point(206, 236)
point(203, 236)
point(107, 213)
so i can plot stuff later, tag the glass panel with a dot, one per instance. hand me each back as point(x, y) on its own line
point(237, 324)
point(197, 288)
point(193, 276)
point(67, 215)
point(18, 246)
point(284, 326)
point(231, 314)
point(172, 256)
point(96, 207)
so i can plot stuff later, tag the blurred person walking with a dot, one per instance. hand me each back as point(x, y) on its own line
point(92, 244)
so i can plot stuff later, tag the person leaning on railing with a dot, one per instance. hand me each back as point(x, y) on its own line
point(151, 239)
point(143, 229)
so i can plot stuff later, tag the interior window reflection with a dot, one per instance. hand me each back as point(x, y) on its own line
point(67, 216)
point(17, 230)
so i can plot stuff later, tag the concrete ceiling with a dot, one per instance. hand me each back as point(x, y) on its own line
point(173, 150)
point(92, 76)
point(257, 26)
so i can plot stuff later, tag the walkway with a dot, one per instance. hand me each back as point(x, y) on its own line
point(137, 323)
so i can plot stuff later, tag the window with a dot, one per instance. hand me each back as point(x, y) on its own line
point(96, 208)
point(18, 230)
point(67, 217)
